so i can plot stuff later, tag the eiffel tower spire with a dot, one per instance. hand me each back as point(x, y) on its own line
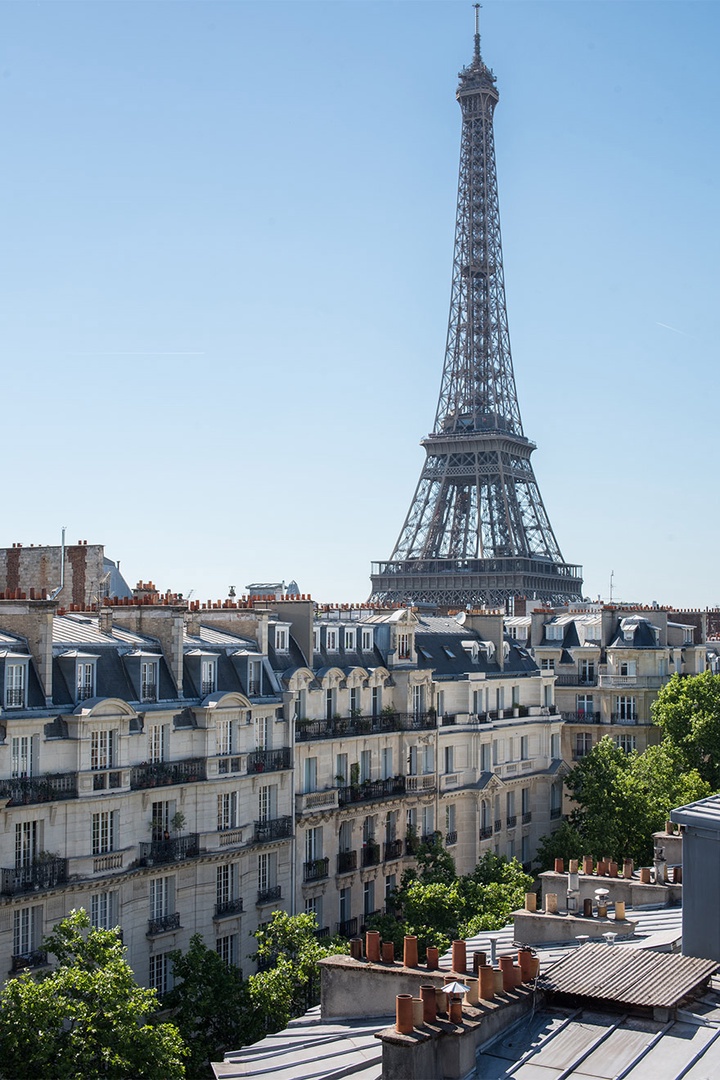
point(477, 530)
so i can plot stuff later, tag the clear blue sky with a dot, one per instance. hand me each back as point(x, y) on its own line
point(226, 242)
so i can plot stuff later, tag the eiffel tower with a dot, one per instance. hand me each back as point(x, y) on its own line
point(477, 531)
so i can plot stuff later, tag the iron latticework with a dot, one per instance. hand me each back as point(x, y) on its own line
point(477, 530)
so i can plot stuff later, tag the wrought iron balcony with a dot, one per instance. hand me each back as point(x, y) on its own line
point(370, 854)
point(430, 838)
point(15, 697)
point(272, 829)
point(148, 692)
point(22, 961)
point(21, 790)
point(555, 813)
point(269, 760)
point(486, 833)
point(268, 896)
point(173, 849)
point(450, 839)
point(348, 928)
point(228, 907)
point(341, 726)
point(448, 721)
point(162, 773)
point(163, 924)
point(316, 869)
point(393, 850)
point(371, 790)
point(623, 718)
point(346, 861)
point(527, 818)
point(39, 874)
point(322, 932)
point(512, 821)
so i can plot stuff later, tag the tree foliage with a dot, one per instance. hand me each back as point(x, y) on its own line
point(438, 906)
point(87, 1018)
point(621, 799)
point(688, 712)
point(211, 1006)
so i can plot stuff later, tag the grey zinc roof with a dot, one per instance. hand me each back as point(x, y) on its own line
point(628, 976)
point(704, 813)
point(208, 635)
point(85, 630)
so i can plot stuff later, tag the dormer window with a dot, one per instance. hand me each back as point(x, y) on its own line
point(688, 635)
point(84, 680)
point(349, 637)
point(403, 646)
point(367, 640)
point(15, 684)
point(149, 680)
point(254, 678)
point(316, 639)
point(208, 677)
point(554, 631)
point(281, 639)
point(331, 640)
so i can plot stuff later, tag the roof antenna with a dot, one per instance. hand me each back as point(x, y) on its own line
point(477, 31)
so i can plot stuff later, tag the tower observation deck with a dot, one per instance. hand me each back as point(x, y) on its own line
point(477, 531)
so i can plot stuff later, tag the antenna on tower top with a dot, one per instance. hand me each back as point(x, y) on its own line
point(477, 30)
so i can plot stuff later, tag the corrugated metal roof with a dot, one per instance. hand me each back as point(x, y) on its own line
point(705, 812)
point(85, 630)
point(630, 976)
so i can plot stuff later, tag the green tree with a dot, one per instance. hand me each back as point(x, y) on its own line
point(288, 953)
point(688, 712)
point(621, 799)
point(211, 1005)
point(87, 1018)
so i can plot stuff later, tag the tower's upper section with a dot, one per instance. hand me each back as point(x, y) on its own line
point(477, 393)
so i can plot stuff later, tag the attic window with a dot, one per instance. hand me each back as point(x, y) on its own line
point(554, 632)
point(367, 640)
point(448, 652)
point(331, 640)
point(425, 653)
point(16, 684)
point(281, 639)
point(85, 680)
point(349, 637)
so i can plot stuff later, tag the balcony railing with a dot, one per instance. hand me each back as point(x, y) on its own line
point(163, 924)
point(15, 697)
point(623, 718)
point(22, 790)
point(148, 691)
point(322, 932)
point(555, 813)
point(34, 959)
point(370, 854)
point(268, 896)
point(393, 849)
point(316, 869)
point(40, 874)
point(527, 818)
point(171, 850)
point(582, 716)
point(412, 843)
point(346, 861)
point(273, 829)
point(486, 833)
point(371, 790)
point(426, 782)
point(339, 727)
point(269, 760)
point(512, 821)
point(450, 839)
point(161, 773)
point(348, 928)
point(448, 721)
point(228, 907)
point(312, 801)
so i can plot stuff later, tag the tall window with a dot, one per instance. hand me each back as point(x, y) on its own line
point(148, 680)
point(587, 672)
point(331, 640)
point(376, 700)
point(555, 746)
point(525, 797)
point(365, 765)
point(329, 703)
point(160, 973)
point(103, 910)
point(162, 897)
point(313, 844)
point(158, 742)
point(227, 881)
point(160, 819)
point(354, 700)
point(450, 819)
point(102, 749)
point(428, 759)
point(22, 755)
point(254, 678)
point(344, 905)
point(15, 684)
point(224, 737)
point(281, 639)
point(449, 759)
point(227, 811)
point(27, 923)
point(367, 640)
point(368, 832)
point(418, 700)
point(267, 803)
point(524, 747)
point(583, 743)
point(27, 843)
point(341, 769)
point(368, 897)
point(628, 743)
point(85, 680)
point(262, 733)
point(390, 826)
point(485, 757)
point(310, 770)
point(267, 871)
point(226, 948)
point(625, 708)
point(104, 830)
point(428, 821)
point(208, 677)
point(386, 755)
point(345, 836)
point(403, 646)
point(349, 640)
point(585, 706)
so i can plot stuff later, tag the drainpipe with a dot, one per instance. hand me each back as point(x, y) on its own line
point(60, 588)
